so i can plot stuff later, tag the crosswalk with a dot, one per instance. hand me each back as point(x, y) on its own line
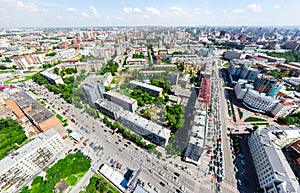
point(225, 185)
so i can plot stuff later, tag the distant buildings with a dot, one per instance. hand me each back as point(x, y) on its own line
point(126, 102)
point(26, 61)
point(20, 166)
point(146, 128)
point(273, 171)
point(152, 90)
point(242, 71)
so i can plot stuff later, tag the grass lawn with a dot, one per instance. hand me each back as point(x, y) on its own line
point(253, 119)
point(17, 80)
point(99, 184)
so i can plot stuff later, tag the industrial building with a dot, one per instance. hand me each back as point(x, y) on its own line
point(273, 171)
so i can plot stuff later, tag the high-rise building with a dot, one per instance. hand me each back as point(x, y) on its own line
point(268, 85)
point(273, 171)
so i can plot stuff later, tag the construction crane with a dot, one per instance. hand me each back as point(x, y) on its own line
point(285, 73)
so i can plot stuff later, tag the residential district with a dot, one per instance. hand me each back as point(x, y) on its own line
point(150, 109)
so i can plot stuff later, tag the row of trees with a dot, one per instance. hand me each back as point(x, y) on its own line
point(290, 56)
point(126, 133)
point(110, 67)
point(68, 168)
point(293, 119)
point(51, 54)
point(162, 84)
point(137, 56)
point(11, 136)
point(174, 116)
point(142, 97)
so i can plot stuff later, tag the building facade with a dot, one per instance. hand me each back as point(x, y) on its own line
point(146, 128)
point(152, 90)
point(126, 102)
point(273, 171)
point(259, 102)
point(18, 168)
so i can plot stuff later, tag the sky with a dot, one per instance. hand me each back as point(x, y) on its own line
point(86, 13)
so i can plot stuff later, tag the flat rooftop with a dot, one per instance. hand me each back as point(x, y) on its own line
point(121, 97)
point(37, 111)
point(25, 150)
point(273, 137)
point(151, 87)
point(147, 124)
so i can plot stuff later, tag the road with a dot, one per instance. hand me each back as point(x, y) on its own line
point(130, 156)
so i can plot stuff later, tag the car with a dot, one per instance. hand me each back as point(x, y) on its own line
point(178, 191)
point(243, 162)
point(176, 174)
point(162, 184)
point(120, 150)
point(155, 189)
point(166, 168)
point(239, 181)
point(246, 182)
point(151, 171)
point(150, 185)
point(241, 156)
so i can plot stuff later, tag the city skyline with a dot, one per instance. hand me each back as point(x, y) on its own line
point(32, 13)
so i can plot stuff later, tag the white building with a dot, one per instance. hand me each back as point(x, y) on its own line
point(126, 102)
point(152, 90)
point(259, 101)
point(274, 172)
point(283, 109)
point(146, 128)
point(18, 168)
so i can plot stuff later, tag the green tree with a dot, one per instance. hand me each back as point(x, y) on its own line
point(56, 70)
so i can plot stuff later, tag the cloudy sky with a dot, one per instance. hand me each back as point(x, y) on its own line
point(77, 13)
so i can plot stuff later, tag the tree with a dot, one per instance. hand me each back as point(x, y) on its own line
point(56, 70)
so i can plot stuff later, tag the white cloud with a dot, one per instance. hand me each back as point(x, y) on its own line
point(224, 11)
point(93, 10)
point(152, 10)
point(59, 17)
point(84, 14)
point(146, 16)
point(238, 11)
point(177, 10)
point(277, 6)
point(7, 16)
point(70, 9)
point(28, 6)
point(132, 10)
point(208, 12)
point(255, 7)
point(197, 11)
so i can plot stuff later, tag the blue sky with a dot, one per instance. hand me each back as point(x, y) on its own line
point(75, 13)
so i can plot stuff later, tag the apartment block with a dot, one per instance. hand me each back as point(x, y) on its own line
point(152, 90)
point(126, 102)
point(273, 171)
point(20, 166)
point(146, 128)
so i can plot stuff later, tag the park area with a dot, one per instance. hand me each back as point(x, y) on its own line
point(61, 176)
